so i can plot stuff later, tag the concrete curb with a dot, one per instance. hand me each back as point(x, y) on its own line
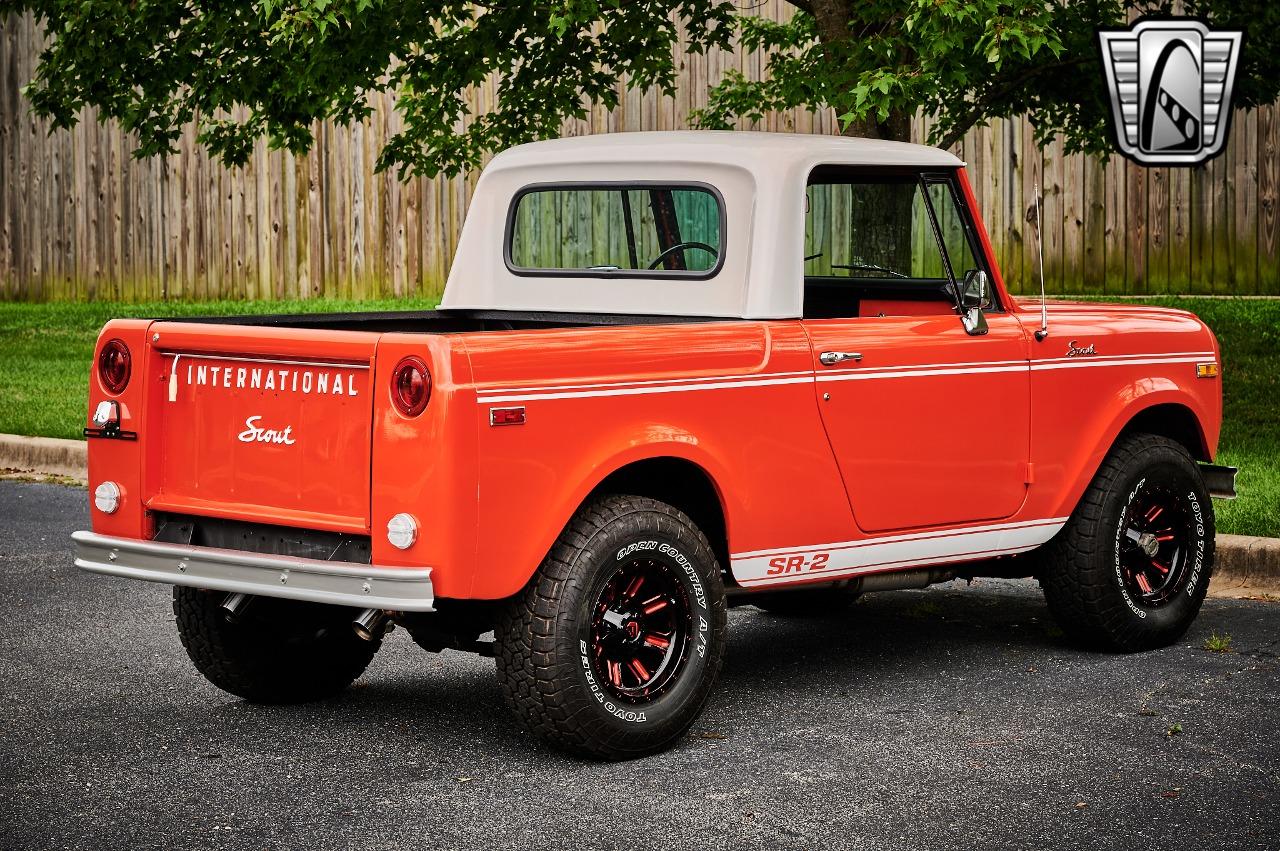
point(44, 456)
point(1246, 566)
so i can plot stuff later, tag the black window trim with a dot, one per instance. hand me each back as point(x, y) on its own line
point(971, 237)
point(608, 274)
point(922, 178)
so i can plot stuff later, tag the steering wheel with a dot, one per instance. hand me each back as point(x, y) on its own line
point(867, 267)
point(681, 246)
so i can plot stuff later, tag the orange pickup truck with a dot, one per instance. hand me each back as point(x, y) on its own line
point(671, 372)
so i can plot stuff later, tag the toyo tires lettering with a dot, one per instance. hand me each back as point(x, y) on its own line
point(1198, 514)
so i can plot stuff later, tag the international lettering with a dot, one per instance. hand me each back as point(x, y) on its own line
point(307, 382)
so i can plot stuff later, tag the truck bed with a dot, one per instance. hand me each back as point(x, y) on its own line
point(444, 321)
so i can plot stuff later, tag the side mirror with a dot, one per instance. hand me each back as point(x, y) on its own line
point(973, 292)
point(973, 295)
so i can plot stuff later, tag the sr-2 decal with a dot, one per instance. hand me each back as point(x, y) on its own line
point(797, 564)
point(892, 552)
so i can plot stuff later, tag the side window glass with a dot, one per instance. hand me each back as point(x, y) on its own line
point(871, 230)
point(955, 236)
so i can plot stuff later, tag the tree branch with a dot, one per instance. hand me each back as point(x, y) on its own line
point(980, 106)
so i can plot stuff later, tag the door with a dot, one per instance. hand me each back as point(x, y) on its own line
point(929, 422)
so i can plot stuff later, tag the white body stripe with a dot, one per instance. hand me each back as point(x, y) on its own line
point(1077, 363)
point(872, 555)
point(766, 379)
point(237, 359)
point(727, 382)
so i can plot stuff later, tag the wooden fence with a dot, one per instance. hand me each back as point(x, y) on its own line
point(80, 219)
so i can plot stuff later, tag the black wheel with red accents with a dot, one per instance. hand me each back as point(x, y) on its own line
point(1155, 549)
point(1131, 568)
point(612, 649)
point(641, 628)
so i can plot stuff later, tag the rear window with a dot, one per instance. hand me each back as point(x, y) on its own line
point(617, 230)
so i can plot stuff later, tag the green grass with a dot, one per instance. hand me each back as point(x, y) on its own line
point(1218, 643)
point(1249, 332)
point(45, 351)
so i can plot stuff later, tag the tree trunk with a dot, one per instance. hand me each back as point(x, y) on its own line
point(881, 214)
point(895, 128)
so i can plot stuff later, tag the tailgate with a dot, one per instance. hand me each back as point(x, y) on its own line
point(264, 424)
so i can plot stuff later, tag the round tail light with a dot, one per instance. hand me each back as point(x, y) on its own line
point(114, 366)
point(411, 386)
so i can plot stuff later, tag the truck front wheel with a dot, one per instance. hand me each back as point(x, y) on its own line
point(276, 651)
point(611, 649)
point(1132, 566)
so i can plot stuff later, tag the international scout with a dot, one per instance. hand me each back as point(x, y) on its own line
point(671, 372)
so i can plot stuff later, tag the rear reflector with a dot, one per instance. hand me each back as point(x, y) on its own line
point(106, 497)
point(402, 531)
point(506, 416)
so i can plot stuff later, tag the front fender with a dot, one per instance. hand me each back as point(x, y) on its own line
point(1127, 403)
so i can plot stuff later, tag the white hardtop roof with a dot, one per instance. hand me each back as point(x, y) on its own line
point(761, 179)
point(747, 149)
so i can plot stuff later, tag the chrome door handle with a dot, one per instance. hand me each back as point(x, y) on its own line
point(833, 358)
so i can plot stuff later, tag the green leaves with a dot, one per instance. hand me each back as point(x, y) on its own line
point(900, 56)
point(244, 70)
point(274, 68)
point(965, 62)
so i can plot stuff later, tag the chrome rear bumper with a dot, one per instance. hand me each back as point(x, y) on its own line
point(338, 583)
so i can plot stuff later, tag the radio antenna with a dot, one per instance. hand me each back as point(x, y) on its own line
point(1044, 307)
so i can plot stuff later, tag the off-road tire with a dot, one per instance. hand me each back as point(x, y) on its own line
point(1081, 569)
point(278, 651)
point(544, 658)
point(806, 602)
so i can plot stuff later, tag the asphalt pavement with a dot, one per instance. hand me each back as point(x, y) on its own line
point(950, 718)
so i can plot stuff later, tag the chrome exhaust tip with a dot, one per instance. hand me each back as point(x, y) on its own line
point(370, 624)
point(233, 607)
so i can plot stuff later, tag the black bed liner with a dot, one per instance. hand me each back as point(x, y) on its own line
point(446, 321)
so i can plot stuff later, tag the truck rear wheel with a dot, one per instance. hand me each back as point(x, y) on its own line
point(276, 651)
point(612, 648)
point(1132, 566)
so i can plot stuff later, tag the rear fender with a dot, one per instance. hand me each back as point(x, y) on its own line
point(510, 551)
point(425, 465)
